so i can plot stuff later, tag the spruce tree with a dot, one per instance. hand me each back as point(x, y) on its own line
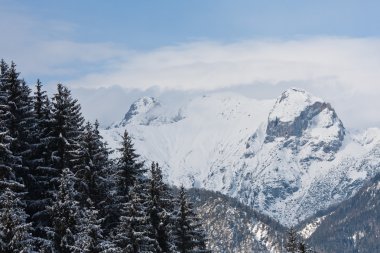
point(90, 237)
point(15, 235)
point(7, 160)
point(134, 232)
point(92, 170)
point(41, 190)
point(67, 128)
point(126, 170)
point(190, 236)
point(161, 210)
point(292, 241)
point(128, 166)
point(21, 124)
point(65, 214)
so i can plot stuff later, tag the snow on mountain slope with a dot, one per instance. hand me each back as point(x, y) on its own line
point(191, 138)
point(288, 157)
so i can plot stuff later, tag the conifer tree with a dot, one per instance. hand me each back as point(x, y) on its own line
point(92, 170)
point(161, 210)
point(7, 160)
point(15, 235)
point(129, 168)
point(190, 236)
point(41, 169)
point(134, 232)
point(65, 214)
point(90, 237)
point(21, 123)
point(292, 241)
point(59, 191)
point(67, 128)
point(126, 171)
point(41, 191)
point(14, 231)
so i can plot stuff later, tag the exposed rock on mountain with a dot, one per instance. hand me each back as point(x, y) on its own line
point(288, 157)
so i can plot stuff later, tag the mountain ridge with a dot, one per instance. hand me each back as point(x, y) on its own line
point(288, 157)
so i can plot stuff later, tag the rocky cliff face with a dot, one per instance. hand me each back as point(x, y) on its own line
point(302, 121)
point(288, 157)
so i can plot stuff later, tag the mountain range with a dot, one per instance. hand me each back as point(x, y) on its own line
point(288, 158)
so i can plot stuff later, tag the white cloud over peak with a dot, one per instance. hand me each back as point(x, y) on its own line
point(348, 62)
point(342, 70)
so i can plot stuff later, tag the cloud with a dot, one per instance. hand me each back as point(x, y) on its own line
point(342, 70)
point(348, 62)
point(46, 48)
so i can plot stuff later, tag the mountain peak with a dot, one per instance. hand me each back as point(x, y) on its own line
point(307, 121)
point(287, 168)
point(140, 106)
point(291, 103)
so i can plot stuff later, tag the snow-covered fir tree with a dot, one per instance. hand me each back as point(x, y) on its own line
point(128, 166)
point(41, 189)
point(93, 167)
point(41, 169)
point(190, 236)
point(161, 210)
point(21, 124)
point(67, 128)
point(7, 160)
point(65, 214)
point(60, 192)
point(135, 232)
point(15, 232)
point(126, 171)
point(90, 237)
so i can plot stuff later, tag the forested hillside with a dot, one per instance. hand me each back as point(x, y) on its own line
point(352, 226)
point(60, 192)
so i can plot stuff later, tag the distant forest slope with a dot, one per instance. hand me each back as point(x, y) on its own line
point(234, 227)
point(353, 225)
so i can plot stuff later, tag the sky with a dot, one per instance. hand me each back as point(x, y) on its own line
point(131, 48)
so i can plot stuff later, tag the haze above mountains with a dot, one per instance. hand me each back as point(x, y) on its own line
point(108, 105)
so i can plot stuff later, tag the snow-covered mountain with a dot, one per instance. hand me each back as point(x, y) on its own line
point(352, 226)
point(288, 157)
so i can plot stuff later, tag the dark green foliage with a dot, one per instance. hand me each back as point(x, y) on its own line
point(190, 237)
point(67, 128)
point(126, 171)
point(15, 233)
point(93, 166)
point(60, 192)
point(65, 214)
point(161, 210)
point(128, 167)
point(90, 235)
point(135, 232)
